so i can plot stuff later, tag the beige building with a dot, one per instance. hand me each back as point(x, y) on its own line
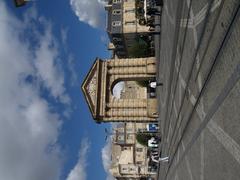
point(129, 158)
point(123, 26)
point(134, 90)
point(102, 78)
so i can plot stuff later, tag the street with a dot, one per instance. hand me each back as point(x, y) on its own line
point(198, 55)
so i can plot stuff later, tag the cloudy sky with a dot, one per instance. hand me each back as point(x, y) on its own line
point(46, 130)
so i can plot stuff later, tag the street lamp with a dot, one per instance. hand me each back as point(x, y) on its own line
point(20, 3)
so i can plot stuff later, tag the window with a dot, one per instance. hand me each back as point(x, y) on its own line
point(116, 23)
point(130, 23)
point(139, 149)
point(139, 162)
point(124, 169)
point(116, 39)
point(129, 130)
point(120, 138)
point(120, 46)
point(117, 11)
point(117, 1)
point(130, 11)
point(129, 136)
point(121, 53)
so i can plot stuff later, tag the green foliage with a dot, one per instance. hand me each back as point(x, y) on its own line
point(139, 49)
point(142, 138)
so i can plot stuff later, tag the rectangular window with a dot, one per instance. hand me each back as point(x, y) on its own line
point(116, 23)
point(120, 138)
point(130, 22)
point(139, 149)
point(117, 1)
point(129, 136)
point(121, 53)
point(130, 11)
point(129, 130)
point(120, 46)
point(116, 39)
point(117, 11)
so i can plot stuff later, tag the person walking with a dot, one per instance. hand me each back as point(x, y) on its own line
point(154, 84)
point(158, 160)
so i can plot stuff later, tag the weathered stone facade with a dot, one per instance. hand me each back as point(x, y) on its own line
point(123, 26)
point(132, 90)
point(129, 158)
point(101, 79)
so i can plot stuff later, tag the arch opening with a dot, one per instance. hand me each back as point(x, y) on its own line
point(130, 90)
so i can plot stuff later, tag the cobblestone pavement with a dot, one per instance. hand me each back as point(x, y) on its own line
point(199, 104)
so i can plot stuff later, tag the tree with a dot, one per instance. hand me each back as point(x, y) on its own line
point(139, 49)
point(142, 83)
point(142, 138)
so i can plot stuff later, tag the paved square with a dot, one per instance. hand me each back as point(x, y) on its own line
point(199, 65)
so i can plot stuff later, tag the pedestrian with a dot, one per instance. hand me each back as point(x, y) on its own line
point(158, 160)
point(152, 143)
point(154, 84)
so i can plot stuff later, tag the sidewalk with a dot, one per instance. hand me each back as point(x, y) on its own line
point(199, 64)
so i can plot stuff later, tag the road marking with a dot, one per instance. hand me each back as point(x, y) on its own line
point(192, 98)
point(171, 20)
point(182, 82)
point(229, 144)
point(202, 157)
point(170, 130)
point(188, 164)
point(187, 23)
point(202, 150)
point(200, 16)
point(176, 176)
point(175, 108)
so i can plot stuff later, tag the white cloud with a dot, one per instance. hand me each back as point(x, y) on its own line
point(89, 11)
point(118, 88)
point(28, 127)
point(64, 35)
point(79, 171)
point(72, 70)
point(106, 159)
point(47, 65)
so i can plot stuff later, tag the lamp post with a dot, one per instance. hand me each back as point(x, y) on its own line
point(20, 3)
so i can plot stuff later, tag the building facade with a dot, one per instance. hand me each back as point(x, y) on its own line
point(134, 90)
point(129, 158)
point(123, 26)
point(102, 78)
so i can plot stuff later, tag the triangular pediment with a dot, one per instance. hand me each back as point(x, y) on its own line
point(90, 87)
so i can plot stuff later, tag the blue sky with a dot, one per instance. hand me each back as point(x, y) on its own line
point(46, 130)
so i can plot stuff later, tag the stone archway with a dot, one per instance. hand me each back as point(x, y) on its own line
point(98, 85)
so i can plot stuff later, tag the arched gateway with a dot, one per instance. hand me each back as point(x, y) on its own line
point(98, 85)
